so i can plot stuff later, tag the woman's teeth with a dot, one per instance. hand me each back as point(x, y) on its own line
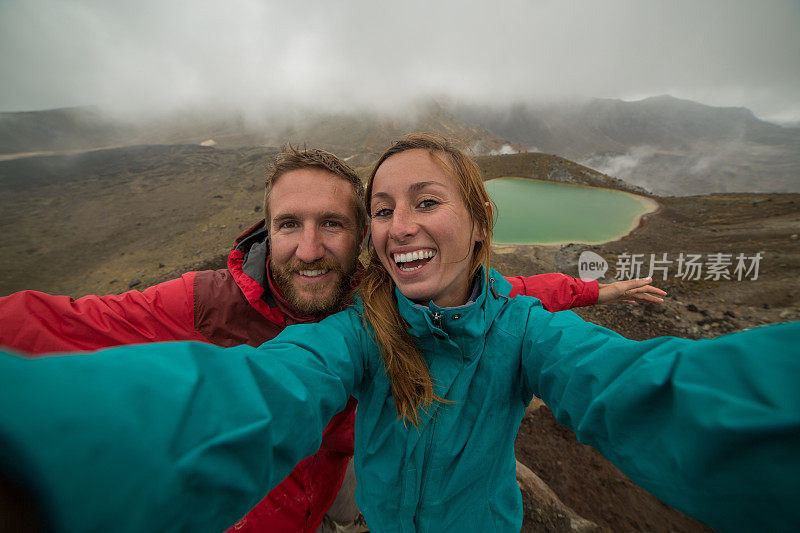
point(419, 257)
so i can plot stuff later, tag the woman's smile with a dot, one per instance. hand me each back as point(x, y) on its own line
point(413, 260)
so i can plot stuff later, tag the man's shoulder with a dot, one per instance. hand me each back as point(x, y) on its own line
point(224, 313)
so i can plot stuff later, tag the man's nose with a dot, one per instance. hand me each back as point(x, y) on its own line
point(403, 225)
point(310, 247)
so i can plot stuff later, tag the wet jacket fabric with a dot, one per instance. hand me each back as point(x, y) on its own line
point(228, 307)
point(711, 427)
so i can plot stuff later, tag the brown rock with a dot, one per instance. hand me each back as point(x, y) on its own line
point(544, 511)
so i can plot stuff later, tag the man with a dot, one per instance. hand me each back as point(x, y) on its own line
point(298, 265)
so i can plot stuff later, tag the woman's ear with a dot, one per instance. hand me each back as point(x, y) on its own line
point(478, 233)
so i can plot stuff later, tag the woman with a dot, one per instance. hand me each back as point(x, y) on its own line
point(443, 368)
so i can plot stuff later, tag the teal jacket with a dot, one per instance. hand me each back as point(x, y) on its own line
point(196, 434)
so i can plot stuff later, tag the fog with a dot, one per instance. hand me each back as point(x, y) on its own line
point(153, 55)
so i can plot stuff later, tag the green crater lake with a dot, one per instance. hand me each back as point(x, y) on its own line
point(544, 212)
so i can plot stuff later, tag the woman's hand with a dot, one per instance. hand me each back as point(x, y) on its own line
point(630, 291)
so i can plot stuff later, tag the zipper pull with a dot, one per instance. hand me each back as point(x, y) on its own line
point(437, 320)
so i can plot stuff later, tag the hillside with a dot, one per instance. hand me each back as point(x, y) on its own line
point(101, 221)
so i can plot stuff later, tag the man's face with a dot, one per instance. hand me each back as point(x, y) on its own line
point(314, 239)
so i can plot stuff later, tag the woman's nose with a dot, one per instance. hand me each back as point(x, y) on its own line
point(403, 225)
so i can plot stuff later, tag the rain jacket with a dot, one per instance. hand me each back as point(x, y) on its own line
point(711, 427)
point(239, 305)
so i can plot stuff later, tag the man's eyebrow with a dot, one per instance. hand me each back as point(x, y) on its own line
point(323, 215)
point(283, 217)
point(334, 215)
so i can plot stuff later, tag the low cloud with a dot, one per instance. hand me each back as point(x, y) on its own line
point(504, 150)
point(622, 166)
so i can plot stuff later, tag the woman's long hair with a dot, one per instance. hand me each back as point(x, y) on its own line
point(412, 387)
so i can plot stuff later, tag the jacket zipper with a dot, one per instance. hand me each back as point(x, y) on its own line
point(426, 465)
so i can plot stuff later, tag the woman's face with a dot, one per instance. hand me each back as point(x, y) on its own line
point(421, 229)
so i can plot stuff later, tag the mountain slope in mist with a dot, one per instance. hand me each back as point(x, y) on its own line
point(358, 136)
point(664, 144)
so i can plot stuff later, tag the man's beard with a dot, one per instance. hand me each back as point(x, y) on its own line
point(313, 301)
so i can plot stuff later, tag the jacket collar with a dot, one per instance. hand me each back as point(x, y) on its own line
point(464, 324)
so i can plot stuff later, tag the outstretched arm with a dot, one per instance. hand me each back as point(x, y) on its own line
point(558, 292)
point(180, 436)
point(710, 427)
point(35, 322)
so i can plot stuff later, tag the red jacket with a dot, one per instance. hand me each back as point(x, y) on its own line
point(237, 305)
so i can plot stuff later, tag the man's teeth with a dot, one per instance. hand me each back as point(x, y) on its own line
point(412, 256)
point(312, 273)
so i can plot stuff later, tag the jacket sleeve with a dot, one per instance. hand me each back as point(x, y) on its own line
point(557, 292)
point(711, 427)
point(35, 322)
point(171, 437)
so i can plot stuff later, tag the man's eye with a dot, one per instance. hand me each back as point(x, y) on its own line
point(382, 213)
point(424, 204)
point(287, 225)
point(331, 224)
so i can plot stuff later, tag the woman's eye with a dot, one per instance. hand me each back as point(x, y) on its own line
point(428, 203)
point(382, 213)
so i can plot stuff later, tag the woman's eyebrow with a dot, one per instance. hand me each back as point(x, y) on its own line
point(423, 184)
point(416, 187)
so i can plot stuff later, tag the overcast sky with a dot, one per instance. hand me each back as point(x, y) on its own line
point(158, 54)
